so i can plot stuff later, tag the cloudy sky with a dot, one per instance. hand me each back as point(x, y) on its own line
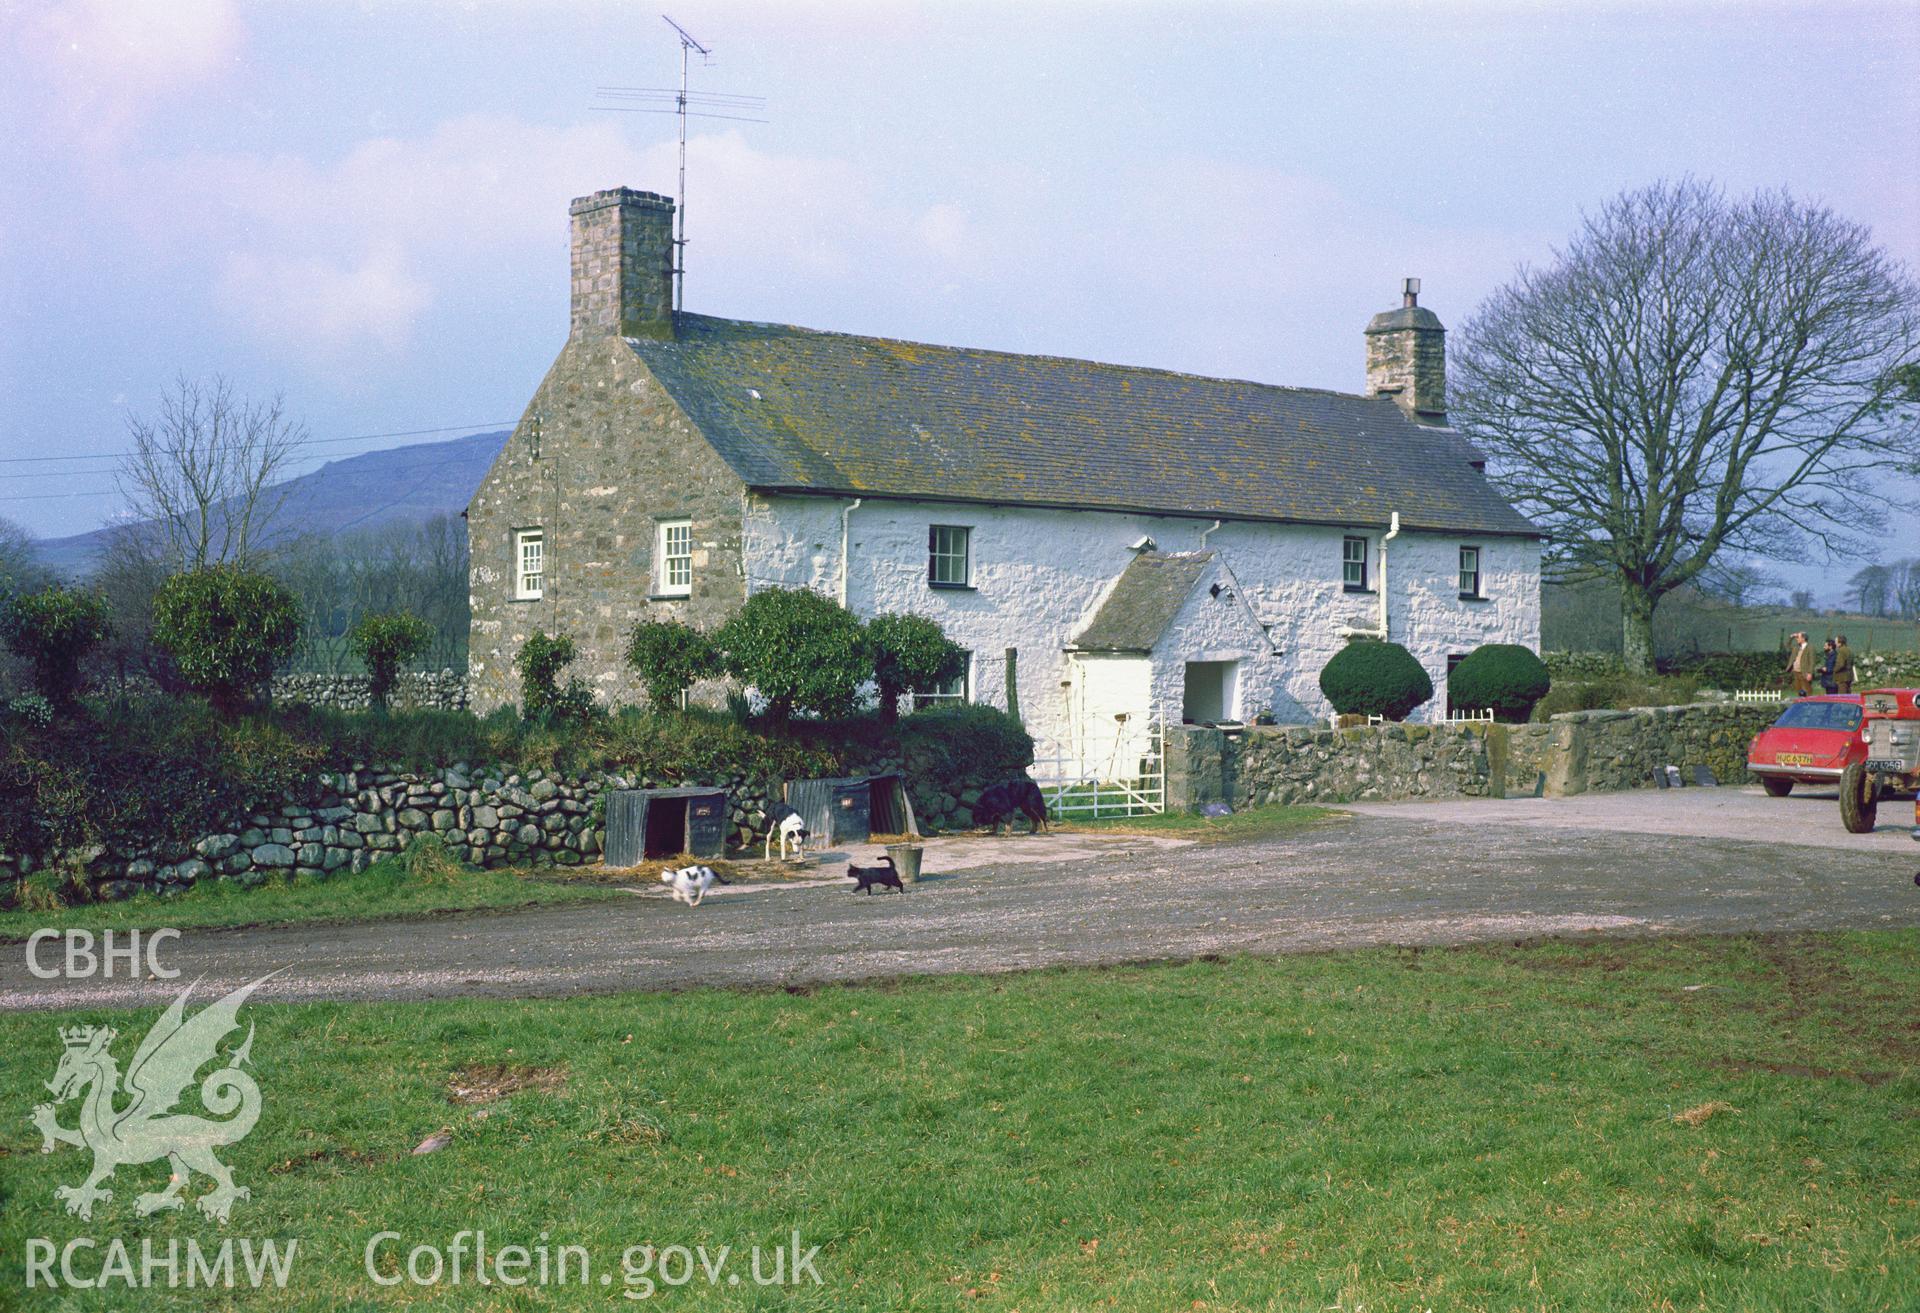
point(363, 205)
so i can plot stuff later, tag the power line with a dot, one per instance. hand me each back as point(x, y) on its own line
point(304, 442)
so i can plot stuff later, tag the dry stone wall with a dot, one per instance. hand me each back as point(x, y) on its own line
point(435, 690)
point(1576, 752)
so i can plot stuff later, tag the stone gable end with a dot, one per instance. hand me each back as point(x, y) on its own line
point(600, 457)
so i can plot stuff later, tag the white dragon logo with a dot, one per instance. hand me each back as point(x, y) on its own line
point(164, 1065)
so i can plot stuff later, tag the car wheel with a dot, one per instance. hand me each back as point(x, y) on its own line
point(1776, 788)
point(1859, 799)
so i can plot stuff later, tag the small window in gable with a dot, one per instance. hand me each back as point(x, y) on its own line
point(948, 556)
point(674, 552)
point(1470, 573)
point(530, 564)
point(1353, 563)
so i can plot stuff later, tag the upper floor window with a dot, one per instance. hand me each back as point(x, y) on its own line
point(675, 554)
point(948, 548)
point(530, 564)
point(1470, 573)
point(1353, 564)
point(957, 689)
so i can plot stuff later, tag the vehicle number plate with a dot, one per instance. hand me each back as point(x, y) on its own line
point(1794, 759)
point(1891, 765)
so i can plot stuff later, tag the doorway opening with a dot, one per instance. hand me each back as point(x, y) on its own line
point(1212, 692)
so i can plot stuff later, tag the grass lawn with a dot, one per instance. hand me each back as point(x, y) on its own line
point(1467, 1129)
point(385, 889)
point(1255, 822)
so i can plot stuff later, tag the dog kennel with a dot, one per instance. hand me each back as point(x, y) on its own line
point(650, 823)
point(853, 809)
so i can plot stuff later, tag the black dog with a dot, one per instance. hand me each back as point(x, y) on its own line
point(1002, 803)
point(867, 878)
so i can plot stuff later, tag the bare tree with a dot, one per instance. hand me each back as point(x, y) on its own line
point(1690, 375)
point(210, 471)
point(20, 567)
point(1870, 588)
point(1736, 582)
point(1904, 589)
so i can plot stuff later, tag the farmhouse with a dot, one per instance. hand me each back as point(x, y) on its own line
point(1114, 544)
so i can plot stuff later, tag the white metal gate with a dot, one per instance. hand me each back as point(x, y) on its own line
point(1122, 774)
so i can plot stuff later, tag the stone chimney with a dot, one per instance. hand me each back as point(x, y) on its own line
point(1407, 358)
point(622, 264)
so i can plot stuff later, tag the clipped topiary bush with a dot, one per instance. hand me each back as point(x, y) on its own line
point(53, 630)
point(798, 650)
point(911, 654)
point(384, 643)
point(227, 630)
point(543, 700)
point(1372, 678)
point(670, 657)
point(1504, 677)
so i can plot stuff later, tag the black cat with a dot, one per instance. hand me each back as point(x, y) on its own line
point(867, 878)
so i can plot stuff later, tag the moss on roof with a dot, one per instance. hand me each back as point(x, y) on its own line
point(796, 410)
point(1144, 601)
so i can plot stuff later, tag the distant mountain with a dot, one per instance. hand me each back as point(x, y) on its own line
point(401, 485)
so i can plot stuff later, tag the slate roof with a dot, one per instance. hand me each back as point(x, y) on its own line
point(1144, 601)
point(796, 410)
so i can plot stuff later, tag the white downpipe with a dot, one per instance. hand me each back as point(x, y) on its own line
point(1207, 533)
point(1352, 631)
point(1393, 531)
point(846, 517)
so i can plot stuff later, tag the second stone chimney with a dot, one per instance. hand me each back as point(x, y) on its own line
point(1407, 358)
point(622, 264)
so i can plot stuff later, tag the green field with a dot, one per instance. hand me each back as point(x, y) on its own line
point(386, 889)
point(1724, 1124)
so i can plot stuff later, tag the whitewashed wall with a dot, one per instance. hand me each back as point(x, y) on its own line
point(1039, 574)
point(1224, 628)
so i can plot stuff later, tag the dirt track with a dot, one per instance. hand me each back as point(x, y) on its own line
point(1405, 873)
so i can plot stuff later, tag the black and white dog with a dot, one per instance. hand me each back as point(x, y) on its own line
point(790, 826)
point(690, 883)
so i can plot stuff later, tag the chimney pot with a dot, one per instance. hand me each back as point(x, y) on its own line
point(1410, 292)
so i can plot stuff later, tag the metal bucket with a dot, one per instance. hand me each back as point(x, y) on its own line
point(906, 860)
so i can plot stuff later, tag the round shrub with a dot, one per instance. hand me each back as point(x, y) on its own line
point(670, 657)
point(798, 650)
point(53, 630)
point(1504, 677)
point(227, 630)
point(384, 643)
point(911, 654)
point(1371, 678)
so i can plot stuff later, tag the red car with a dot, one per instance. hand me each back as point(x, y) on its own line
point(1814, 740)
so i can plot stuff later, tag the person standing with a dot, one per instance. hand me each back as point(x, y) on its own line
point(1826, 667)
point(1800, 666)
point(1843, 666)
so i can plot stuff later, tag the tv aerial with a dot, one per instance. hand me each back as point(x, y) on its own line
point(684, 103)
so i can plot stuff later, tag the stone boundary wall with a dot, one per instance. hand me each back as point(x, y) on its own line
point(437, 690)
point(487, 817)
point(1575, 752)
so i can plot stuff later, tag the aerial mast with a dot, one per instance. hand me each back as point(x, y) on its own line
point(687, 46)
point(685, 103)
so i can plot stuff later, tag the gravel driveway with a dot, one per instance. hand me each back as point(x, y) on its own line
point(1406, 873)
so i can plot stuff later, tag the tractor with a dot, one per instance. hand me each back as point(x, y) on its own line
point(1891, 731)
